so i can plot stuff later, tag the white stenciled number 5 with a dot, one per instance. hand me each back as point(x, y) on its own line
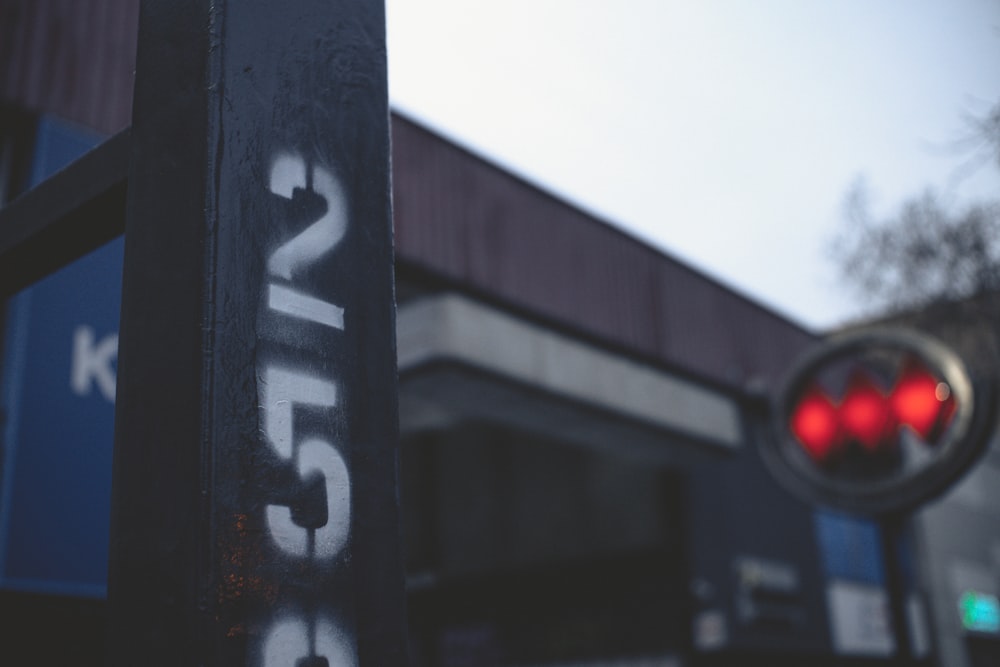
point(283, 389)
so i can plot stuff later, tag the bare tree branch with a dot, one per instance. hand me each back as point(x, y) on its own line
point(927, 252)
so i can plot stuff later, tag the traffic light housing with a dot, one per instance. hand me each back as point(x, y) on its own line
point(877, 421)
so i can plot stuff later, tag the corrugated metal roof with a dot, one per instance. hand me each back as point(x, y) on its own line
point(461, 217)
point(72, 58)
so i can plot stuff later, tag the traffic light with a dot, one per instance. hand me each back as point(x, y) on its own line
point(815, 422)
point(922, 402)
point(877, 421)
point(871, 417)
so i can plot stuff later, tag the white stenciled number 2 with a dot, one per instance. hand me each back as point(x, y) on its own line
point(289, 172)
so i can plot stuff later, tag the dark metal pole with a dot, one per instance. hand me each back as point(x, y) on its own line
point(892, 527)
point(255, 503)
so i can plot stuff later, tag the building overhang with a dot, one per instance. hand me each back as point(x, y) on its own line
point(461, 361)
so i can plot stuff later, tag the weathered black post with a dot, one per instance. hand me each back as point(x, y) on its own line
point(892, 528)
point(255, 507)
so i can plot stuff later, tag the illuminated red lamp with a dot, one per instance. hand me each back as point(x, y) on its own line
point(815, 424)
point(921, 401)
point(865, 413)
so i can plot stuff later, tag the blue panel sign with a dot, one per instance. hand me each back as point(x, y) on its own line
point(58, 386)
point(850, 548)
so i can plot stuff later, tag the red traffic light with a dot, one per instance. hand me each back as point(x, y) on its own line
point(816, 424)
point(921, 401)
point(869, 418)
point(865, 413)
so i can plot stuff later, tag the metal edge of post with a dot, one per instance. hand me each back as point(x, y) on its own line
point(158, 512)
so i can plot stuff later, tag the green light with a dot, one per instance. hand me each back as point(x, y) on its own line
point(980, 612)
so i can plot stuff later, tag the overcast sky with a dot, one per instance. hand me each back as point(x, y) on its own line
point(723, 132)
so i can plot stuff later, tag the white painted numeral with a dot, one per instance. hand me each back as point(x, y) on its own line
point(281, 390)
point(288, 642)
point(316, 455)
point(288, 172)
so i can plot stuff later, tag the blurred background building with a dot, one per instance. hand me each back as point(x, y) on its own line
point(578, 412)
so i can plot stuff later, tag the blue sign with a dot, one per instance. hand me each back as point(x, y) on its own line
point(58, 385)
point(850, 548)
